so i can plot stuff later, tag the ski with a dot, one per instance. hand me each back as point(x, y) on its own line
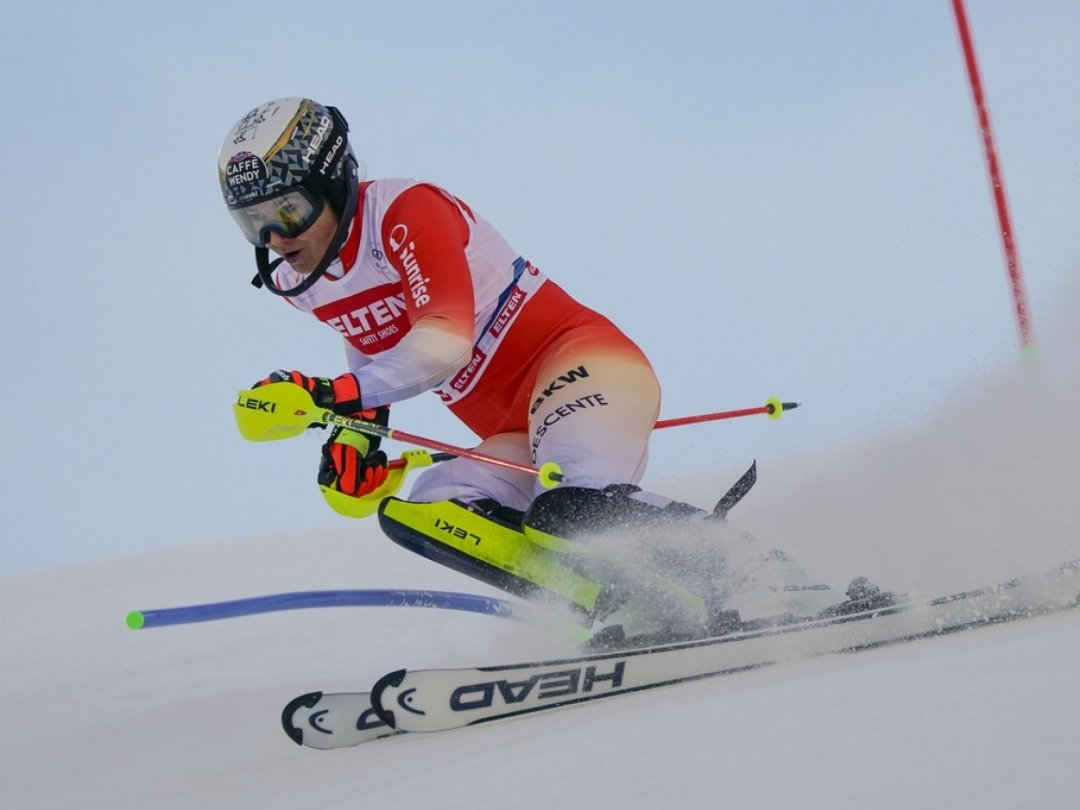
point(333, 720)
point(426, 700)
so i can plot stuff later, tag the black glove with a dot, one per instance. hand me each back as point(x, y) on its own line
point(352, 462)
point(341, 394)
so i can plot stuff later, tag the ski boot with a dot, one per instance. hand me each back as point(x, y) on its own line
point(573, 512)
point(771, 586)
point(863, 595)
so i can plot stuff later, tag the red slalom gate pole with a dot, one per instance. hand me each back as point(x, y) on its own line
point(1012, 259)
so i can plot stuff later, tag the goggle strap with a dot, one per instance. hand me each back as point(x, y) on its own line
point(265, 268)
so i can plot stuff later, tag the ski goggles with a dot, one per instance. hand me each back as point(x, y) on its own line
point(288, 214)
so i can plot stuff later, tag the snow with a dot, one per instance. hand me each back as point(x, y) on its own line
point(180, 717)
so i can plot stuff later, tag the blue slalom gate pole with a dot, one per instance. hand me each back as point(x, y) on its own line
point(443, 600)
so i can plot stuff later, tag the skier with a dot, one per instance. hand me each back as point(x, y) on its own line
point(428, 296)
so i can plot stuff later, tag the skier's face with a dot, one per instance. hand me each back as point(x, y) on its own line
point(304, 251)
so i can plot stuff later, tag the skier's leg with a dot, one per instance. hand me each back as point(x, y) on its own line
point(594, 408)
point(469, 480)
point(594, 404)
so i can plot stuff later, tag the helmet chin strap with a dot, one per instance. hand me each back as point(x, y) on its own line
point(265, 267)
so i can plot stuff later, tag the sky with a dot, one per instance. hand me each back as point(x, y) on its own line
point(773, 199)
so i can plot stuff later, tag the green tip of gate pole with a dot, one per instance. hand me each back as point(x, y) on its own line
point(135, 620)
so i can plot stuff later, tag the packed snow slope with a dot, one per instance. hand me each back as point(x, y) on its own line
point(102, 717)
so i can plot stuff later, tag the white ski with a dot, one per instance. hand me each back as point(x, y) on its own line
point(440, 699)
point(334, 720)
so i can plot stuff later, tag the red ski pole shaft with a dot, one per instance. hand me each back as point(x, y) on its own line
point(397, 463)
point(774, 409)
point(549, 474)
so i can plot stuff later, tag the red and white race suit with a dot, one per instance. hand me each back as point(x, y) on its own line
point(429, 296)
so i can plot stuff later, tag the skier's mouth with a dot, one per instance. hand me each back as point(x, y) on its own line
point(293, 255)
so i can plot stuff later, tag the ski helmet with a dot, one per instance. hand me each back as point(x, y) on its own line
point(279, 166)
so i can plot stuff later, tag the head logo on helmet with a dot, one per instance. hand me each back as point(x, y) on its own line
point(289, 153)
point(316, 141)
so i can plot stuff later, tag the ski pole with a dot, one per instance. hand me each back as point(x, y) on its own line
point(400, 463)
point(773, 408)
point(282, 410)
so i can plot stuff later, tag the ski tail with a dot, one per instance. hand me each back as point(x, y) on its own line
point(333, 720)
point(736, 493)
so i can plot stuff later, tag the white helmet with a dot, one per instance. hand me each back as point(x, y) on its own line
point(278, 167)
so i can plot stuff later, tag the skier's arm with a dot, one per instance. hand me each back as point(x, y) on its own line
point(424, 235)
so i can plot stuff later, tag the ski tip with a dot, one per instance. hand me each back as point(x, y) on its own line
point(388, 680)
point(304, 701)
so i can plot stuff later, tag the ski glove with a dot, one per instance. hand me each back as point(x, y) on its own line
point(352, 462)
point(341, 394)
